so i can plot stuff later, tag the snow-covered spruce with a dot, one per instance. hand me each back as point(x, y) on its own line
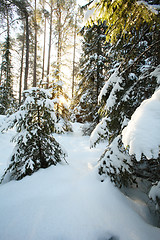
point(116, 163)
point(100, 132)
point(92, 68)
point(120, 96)
point(36, 148)
point(142, 135)
point(154, 194)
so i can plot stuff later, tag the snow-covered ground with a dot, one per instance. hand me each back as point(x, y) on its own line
point(68, 202)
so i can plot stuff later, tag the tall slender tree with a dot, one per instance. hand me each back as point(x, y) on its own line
point(6, 98)
point(35, 45)
point(64, 24)
point(21, 69)
point(74, 54)
point(24, 9)
point(50, 41)
point(46, 15)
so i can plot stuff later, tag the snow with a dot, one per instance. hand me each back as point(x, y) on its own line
point(100, 132)
point(6, 147)
point(156, 73)
point(91, 11)
point(114, 82)
point(143, 131)
point(153, 8)
point(88, 14)
point(68, 202)
point(144, 68)
point(36, 89)
point(155, 193)
point(132, 76)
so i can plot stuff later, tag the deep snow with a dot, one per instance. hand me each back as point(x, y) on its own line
point(142, 133)
point(68, 202)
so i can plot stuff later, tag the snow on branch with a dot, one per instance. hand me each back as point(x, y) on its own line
point(142, 134)
point(156, 73)
point(154, 194)
point(90, 12)
point(113, 83)
point(153, 8)
point(100, 132)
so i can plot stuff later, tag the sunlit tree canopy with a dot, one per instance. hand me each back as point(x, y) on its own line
point(124, 16)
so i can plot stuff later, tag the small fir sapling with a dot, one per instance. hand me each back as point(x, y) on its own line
point(36, 148)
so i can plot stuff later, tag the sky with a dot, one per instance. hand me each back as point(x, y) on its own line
point(81, 2)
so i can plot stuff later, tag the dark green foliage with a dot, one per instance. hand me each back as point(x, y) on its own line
point(134, 80)
point(36, 153)
point(7, 100)
point(92, 67)
point(116, 163)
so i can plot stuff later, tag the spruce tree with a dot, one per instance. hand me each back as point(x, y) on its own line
point(36, 148)
point(92, 67)
point(7, 100)
point(133, 81)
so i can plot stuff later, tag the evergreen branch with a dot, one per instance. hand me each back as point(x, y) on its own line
point(133, 47)
point(86, 5)
point(135, 62)
point(11, 23)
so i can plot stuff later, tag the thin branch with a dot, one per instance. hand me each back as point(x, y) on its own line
point(140, 56)
point(11, 23)
point(86, 5)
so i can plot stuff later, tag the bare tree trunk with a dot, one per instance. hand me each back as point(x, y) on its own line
point(74, 56)
point(1, 73)
point(99, 47)
point(59, 50)
point(27, 52)
point(35, 47)
point(8, 47)
point(44, 49)
point(49, 48)
point(21, 71)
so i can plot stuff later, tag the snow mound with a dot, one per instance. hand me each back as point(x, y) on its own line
point(142, 133)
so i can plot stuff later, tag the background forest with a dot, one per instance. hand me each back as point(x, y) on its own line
point(96, 64)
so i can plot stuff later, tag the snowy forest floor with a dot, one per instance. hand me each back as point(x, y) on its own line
point(68, 202)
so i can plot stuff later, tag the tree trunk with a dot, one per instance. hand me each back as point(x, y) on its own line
point(59, 50)
point(27, 53)
point(74, 55)
point(98, 67)
point(35, 47)
point(21, 71)
point(49, 48)
point(7, 50)
point(44, 49)
point(1, 73)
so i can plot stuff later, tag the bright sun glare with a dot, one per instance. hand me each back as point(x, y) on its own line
point(62, 100)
